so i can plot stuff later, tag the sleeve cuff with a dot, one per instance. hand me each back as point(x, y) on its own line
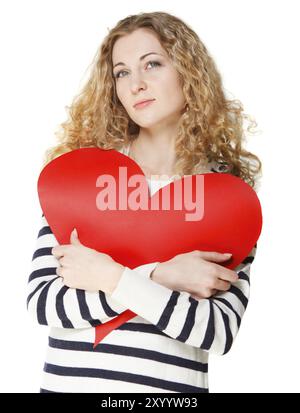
point(141, 295)
point(146, 269)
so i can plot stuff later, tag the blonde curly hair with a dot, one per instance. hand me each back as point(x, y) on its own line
point(210, 128)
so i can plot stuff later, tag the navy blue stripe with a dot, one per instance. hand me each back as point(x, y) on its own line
point(34, 291)
point(210, 329)
point(47, 391)
point(45, 231)
point(121, 376)
point(108, 310)
point(84, 309)
point(189, 322)
point(165, 317)
point(143, 328)
point(228, 333)
point(42, 272)
point(238, 293)
point(129, 351)
point(41, 303)
point(243, 276)
point(248, 260)
point(227, 303)
point(66, 322)
point(40, 252)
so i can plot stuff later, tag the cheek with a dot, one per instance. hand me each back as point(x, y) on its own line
point(172, 87)
point(122, 94)
point(170, 83)
point(118, 91)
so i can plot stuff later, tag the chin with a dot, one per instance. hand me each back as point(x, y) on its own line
point(152, 123)
point(146, 125)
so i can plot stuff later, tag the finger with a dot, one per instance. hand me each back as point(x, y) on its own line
point(62, 261)
point(227, 275)
point(59, 250)
point(214, 256)
point(222, 285)
point(58, 271)
point(74, 237)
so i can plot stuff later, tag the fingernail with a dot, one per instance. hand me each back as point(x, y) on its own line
point(228, 254)
point(75, 231)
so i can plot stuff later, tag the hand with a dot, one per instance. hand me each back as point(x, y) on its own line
point(194, 273)
point(85, 268)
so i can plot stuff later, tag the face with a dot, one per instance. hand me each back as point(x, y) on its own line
point(153, 77)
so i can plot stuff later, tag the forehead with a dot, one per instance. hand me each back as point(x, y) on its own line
point(136, 44)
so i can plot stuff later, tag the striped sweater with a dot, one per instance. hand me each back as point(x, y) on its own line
point(164, 349)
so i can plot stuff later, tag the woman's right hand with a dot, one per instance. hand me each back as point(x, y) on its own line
point(196, 273)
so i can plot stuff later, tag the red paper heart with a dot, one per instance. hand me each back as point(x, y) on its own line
point(67, 188)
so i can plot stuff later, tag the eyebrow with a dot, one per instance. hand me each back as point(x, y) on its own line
point(141, 58)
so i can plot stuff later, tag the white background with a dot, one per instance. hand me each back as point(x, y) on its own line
point(46, 47)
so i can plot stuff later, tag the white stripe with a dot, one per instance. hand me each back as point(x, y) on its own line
point(148, 341)
point(123, 363)
point(94, 385)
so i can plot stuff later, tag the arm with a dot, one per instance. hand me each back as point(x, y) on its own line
point(52, 303)
point(209, 323)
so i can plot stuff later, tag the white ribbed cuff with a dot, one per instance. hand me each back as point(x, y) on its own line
point(141, 295)
point(146, 269)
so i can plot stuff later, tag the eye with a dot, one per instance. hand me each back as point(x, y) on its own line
point(123, 71)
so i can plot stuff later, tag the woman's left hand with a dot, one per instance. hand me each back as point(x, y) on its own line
point(85, 268)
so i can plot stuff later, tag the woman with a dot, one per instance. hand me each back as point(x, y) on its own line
point(189, 127)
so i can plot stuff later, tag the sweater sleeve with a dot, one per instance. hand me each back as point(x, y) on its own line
point(210, 324)
point(50, 302)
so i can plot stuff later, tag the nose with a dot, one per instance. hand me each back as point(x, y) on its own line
point(137, 84)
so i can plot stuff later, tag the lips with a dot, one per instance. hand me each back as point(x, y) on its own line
point(143, 101)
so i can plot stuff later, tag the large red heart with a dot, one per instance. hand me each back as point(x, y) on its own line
point(68, 191)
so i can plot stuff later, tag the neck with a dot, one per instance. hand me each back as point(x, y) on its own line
point(156, 155)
